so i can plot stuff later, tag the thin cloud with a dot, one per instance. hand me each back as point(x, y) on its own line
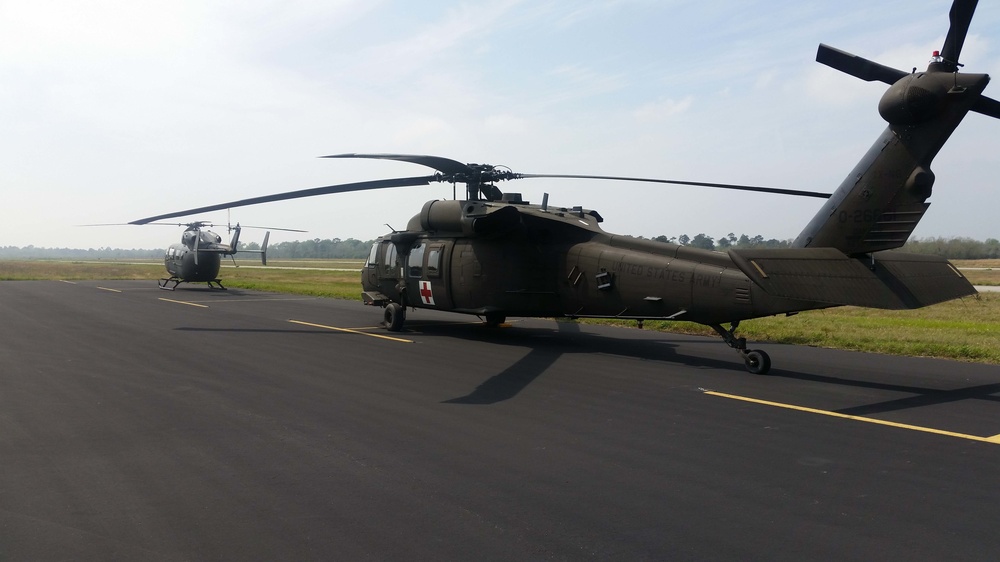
point(663, 110)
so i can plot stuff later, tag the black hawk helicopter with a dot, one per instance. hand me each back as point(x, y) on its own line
point(198, 256)
point(495, 255)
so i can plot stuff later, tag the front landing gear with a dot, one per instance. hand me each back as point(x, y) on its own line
point(757, 361)
point(394, 316)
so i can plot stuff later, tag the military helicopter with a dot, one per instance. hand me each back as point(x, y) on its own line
point(198, 256)
point(495, 255)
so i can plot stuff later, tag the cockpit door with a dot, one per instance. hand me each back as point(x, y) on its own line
point(382, 269)
point(428, 278)
point(369, 275)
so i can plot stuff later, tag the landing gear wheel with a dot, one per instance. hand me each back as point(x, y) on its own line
point(494, 319)
point(757, 362)
point(394, 317)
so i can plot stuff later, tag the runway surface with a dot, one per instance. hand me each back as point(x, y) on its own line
point(140, 424)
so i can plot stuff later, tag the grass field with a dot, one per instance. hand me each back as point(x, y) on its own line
point(966, 329)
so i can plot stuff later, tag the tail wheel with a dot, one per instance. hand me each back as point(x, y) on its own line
point(394, 317)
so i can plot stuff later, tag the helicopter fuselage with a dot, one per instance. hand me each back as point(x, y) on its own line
point(555, 262)
point(182, 264)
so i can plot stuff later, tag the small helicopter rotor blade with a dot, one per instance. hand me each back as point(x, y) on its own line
point(445, 165)
point(857, 66)
point(274, 228)
point(776, 190)
point(340, 188)
point(960, 16)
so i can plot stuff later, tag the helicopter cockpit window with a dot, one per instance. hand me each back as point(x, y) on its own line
point(434, 261)
point(389, 262)
point(416, 261)
point(372, 256)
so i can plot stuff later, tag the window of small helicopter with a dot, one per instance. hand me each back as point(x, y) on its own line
point(209, 237)
point(434, 261)
point(372, 256)
point(416, 260)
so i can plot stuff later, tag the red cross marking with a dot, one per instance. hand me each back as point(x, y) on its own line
point(426, 296)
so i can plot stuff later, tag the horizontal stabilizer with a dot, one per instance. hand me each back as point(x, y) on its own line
point(894, 280)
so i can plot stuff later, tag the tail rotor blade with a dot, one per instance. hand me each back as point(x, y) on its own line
point(987, 106)
point(857, 66)
point(960, 16)
point(234, 245)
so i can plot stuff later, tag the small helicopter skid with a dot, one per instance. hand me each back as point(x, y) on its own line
point(165, 284)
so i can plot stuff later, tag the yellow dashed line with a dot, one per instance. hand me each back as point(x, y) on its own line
point(182, 302)
point(994, 439)
point(348, 330)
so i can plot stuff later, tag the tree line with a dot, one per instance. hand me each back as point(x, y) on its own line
point(299, 249)
point(706, 242)
point(951, 248)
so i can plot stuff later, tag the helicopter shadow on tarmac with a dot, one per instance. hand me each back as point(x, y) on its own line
point(546, 346)
point(921, 396)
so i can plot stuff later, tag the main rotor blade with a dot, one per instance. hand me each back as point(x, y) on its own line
point(340, 188)
point(777, 190)
point(857, 66)
point(446, 165)
point(960, 16)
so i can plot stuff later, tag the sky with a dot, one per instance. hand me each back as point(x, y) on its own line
point(116, 110)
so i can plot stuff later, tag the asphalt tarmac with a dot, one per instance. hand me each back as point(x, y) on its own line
point(140, 424)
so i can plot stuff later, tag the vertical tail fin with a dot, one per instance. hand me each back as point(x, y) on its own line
point(234, 245)
point(880, 203)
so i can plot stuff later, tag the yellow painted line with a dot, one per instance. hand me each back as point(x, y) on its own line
point(107, 289)
point(350, 331)
point(238, 300)
point(182, 302)
point(994, 439)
